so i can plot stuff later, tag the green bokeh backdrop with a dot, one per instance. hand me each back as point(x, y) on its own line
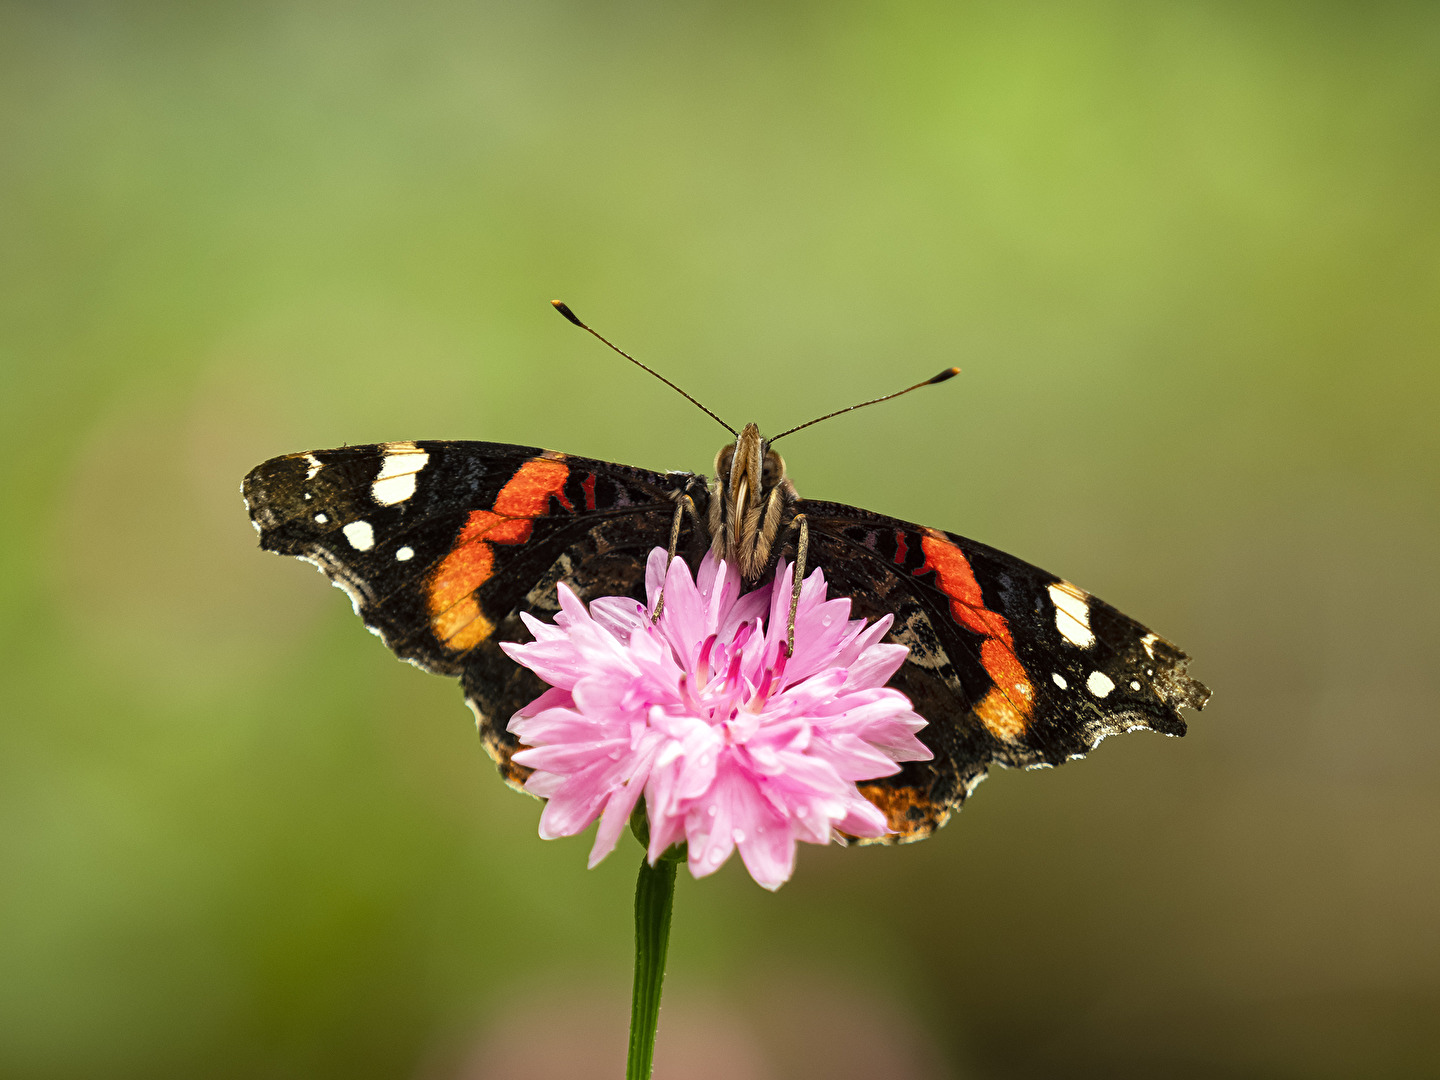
point(1189, 257)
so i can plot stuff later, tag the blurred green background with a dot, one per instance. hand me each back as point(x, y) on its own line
point(1189, 257)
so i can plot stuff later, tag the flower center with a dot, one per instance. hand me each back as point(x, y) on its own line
point(719, 691)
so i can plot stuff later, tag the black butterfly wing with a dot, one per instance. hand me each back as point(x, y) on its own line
point(441, 546)
point(1009, 664)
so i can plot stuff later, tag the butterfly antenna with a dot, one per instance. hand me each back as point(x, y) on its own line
point(948, 373)
point(564, 309)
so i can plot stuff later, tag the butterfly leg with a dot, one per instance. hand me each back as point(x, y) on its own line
point(802, 546)
point(683, 504)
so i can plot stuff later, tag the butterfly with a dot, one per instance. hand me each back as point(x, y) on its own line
point(442, 545)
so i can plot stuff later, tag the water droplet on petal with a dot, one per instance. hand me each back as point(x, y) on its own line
point(825, 620)
point(739, 835)
point(802, 811)
point(710, 811)
point(715, 857)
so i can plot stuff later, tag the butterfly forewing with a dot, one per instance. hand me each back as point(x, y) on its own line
point(441, 545)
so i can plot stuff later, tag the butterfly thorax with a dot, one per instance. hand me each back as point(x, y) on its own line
point(751, 503)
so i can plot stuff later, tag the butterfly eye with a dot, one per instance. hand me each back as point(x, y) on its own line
point(773, 471)
point(723, 460)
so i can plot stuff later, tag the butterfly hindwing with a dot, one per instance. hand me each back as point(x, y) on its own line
point(1025, 669)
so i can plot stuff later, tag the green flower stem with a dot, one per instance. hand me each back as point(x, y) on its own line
point(654, 897)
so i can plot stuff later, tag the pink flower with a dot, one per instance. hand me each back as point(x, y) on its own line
point(733, 743)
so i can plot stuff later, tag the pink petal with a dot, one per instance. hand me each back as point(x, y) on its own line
point(863, 819)
point(569, 758)
point(874, 667)
point(666, 829)
point(865, 640)
point(575, 804)
point(807, 778)
point(605, 698)
point(553, 698)
point(719, 585)
point(542, 631)
point(572, 608)
point(767, 848)
point(557, 662)
point(655, 575)
point(807, 697)
point(697, 769)
point(809, 821)
point(853, 711)
point(753, 605)
point(896, 737)
point(820, 633)
point(779, 613)
point(710, 824)
point(620, 616)
point(544, 784)
point(619, 808)
point(812, 592)
point(710, 569)
point(682, 621)
point(557, 728)
point(854, 759)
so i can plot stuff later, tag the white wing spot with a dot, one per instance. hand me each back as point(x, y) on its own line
point(1134, 685)
point(1024, 688)
point(1099, 684)
point(1149, 642)
point(395, 482)
point(322, 518)
point(306, 496)
point(1072, 614)
point(1060, 680)
point(360, 535)
point(315, 466)
point(405, 554)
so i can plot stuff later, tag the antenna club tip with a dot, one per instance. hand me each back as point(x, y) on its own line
point(948, 373)
point(564, 309)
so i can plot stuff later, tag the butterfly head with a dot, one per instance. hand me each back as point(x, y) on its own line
point(750, 501)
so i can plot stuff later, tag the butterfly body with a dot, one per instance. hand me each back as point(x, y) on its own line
point(752, 504)
point(442, 545)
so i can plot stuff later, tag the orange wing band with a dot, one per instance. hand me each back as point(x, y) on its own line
point(455, 615)
point(1008, 706)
